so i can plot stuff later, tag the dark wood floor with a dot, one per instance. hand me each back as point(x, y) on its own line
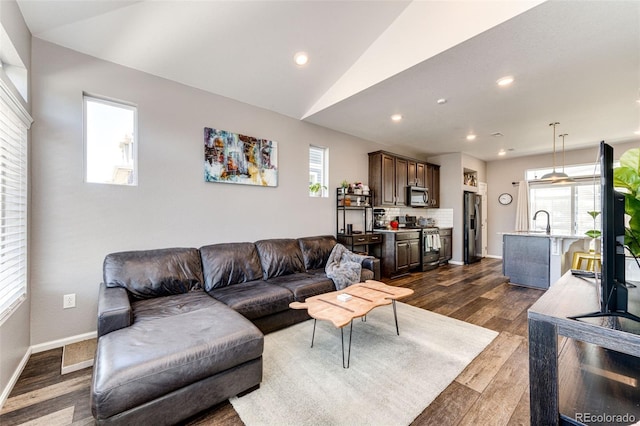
point(493, 389)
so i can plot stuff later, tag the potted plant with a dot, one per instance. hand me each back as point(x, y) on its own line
point(344, 186)
point(594, 234)
point(315, 189)
point(626, 179)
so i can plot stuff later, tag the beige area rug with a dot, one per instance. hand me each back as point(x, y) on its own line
point(77, 356)
point(390, 381)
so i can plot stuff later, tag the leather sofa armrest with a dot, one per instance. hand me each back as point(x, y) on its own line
point(373, 264)
point(114, 309)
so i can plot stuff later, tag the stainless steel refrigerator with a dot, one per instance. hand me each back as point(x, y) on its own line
point(472, 227)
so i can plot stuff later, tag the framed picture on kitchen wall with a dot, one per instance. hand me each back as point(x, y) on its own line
point(235, 158)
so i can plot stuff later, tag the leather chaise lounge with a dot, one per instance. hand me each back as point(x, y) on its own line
point(181, 329)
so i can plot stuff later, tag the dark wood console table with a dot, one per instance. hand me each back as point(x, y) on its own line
point(548, 319)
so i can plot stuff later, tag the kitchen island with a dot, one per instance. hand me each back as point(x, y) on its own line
point(536, 259)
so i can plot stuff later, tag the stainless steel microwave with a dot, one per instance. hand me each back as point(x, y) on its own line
point(417, 196)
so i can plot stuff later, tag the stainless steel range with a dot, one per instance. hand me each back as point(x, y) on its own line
point(430, 248)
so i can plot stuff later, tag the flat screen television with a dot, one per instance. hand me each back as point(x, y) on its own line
point(613, 289)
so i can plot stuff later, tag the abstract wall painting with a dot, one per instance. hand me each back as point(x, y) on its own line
point(234, 158)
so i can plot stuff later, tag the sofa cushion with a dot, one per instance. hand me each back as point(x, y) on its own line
point(171, 306)
point(316, 250)
point(229, 263)
point(365, 274)
point(153, 273)
point(304, 285)
point(254, 299)
point(150, 359)
point(279, 257)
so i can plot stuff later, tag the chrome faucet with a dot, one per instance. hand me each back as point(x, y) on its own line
point(548, 222)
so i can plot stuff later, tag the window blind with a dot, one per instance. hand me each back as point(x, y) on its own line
point(317, 165)
point(567, 204)
point(14, 124)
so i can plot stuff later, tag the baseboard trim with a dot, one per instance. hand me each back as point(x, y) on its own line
point(455, 262)
point(61, 342)
point(492, 256)
point(14, 378)
point(54, 344)
point(76, 367)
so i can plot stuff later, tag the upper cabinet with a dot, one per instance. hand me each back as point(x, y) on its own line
point(416, 172)
point(402, 180)
point(390, 175)
point(433, 183)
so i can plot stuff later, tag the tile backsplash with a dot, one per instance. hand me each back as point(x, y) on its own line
point(443, 217)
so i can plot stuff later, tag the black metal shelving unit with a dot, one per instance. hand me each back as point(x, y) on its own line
point(358, 242)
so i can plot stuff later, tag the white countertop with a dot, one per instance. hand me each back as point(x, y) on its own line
point(544, 234)
point(397, 230)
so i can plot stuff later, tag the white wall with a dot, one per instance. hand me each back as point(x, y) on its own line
point(14, 332)
point(451, 193)
point(76, 224)
point(501, 173)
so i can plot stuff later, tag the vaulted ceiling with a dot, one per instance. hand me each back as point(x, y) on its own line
point(577, 63)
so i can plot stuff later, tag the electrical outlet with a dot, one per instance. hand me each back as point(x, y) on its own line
point(69, 301)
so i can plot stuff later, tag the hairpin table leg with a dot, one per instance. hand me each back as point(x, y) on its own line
point(342, 339)
point(395, 316)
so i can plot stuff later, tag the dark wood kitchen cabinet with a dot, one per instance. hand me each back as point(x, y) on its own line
point(446, 241)
point(388, 177)
point(399, 253)
point(384, 166)
point(402, 179)
point(390, 174)
point(433, 184)
point(417, 174)
point(407, 254)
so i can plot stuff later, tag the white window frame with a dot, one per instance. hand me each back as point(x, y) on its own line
point(319, 172)
point(15, 123)
point(582, 174)
point(575, 216)
point(134, 154)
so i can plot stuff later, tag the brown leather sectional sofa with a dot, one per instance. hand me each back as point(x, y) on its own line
point(181, 329)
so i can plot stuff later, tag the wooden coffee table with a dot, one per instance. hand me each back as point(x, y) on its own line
point(364, 297)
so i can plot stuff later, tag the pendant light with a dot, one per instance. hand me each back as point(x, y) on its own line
point(557, 177)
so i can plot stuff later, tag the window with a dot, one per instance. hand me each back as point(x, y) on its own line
point(14, 123)
point(567, 203)
point(318, 170)
point(110, 142)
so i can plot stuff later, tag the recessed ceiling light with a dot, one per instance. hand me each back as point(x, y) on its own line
point(505, 81)
point(502, 152)
point(471, 137)
point(396, 117)
point(441, 101)
point(637, 132)
point(301, 58)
